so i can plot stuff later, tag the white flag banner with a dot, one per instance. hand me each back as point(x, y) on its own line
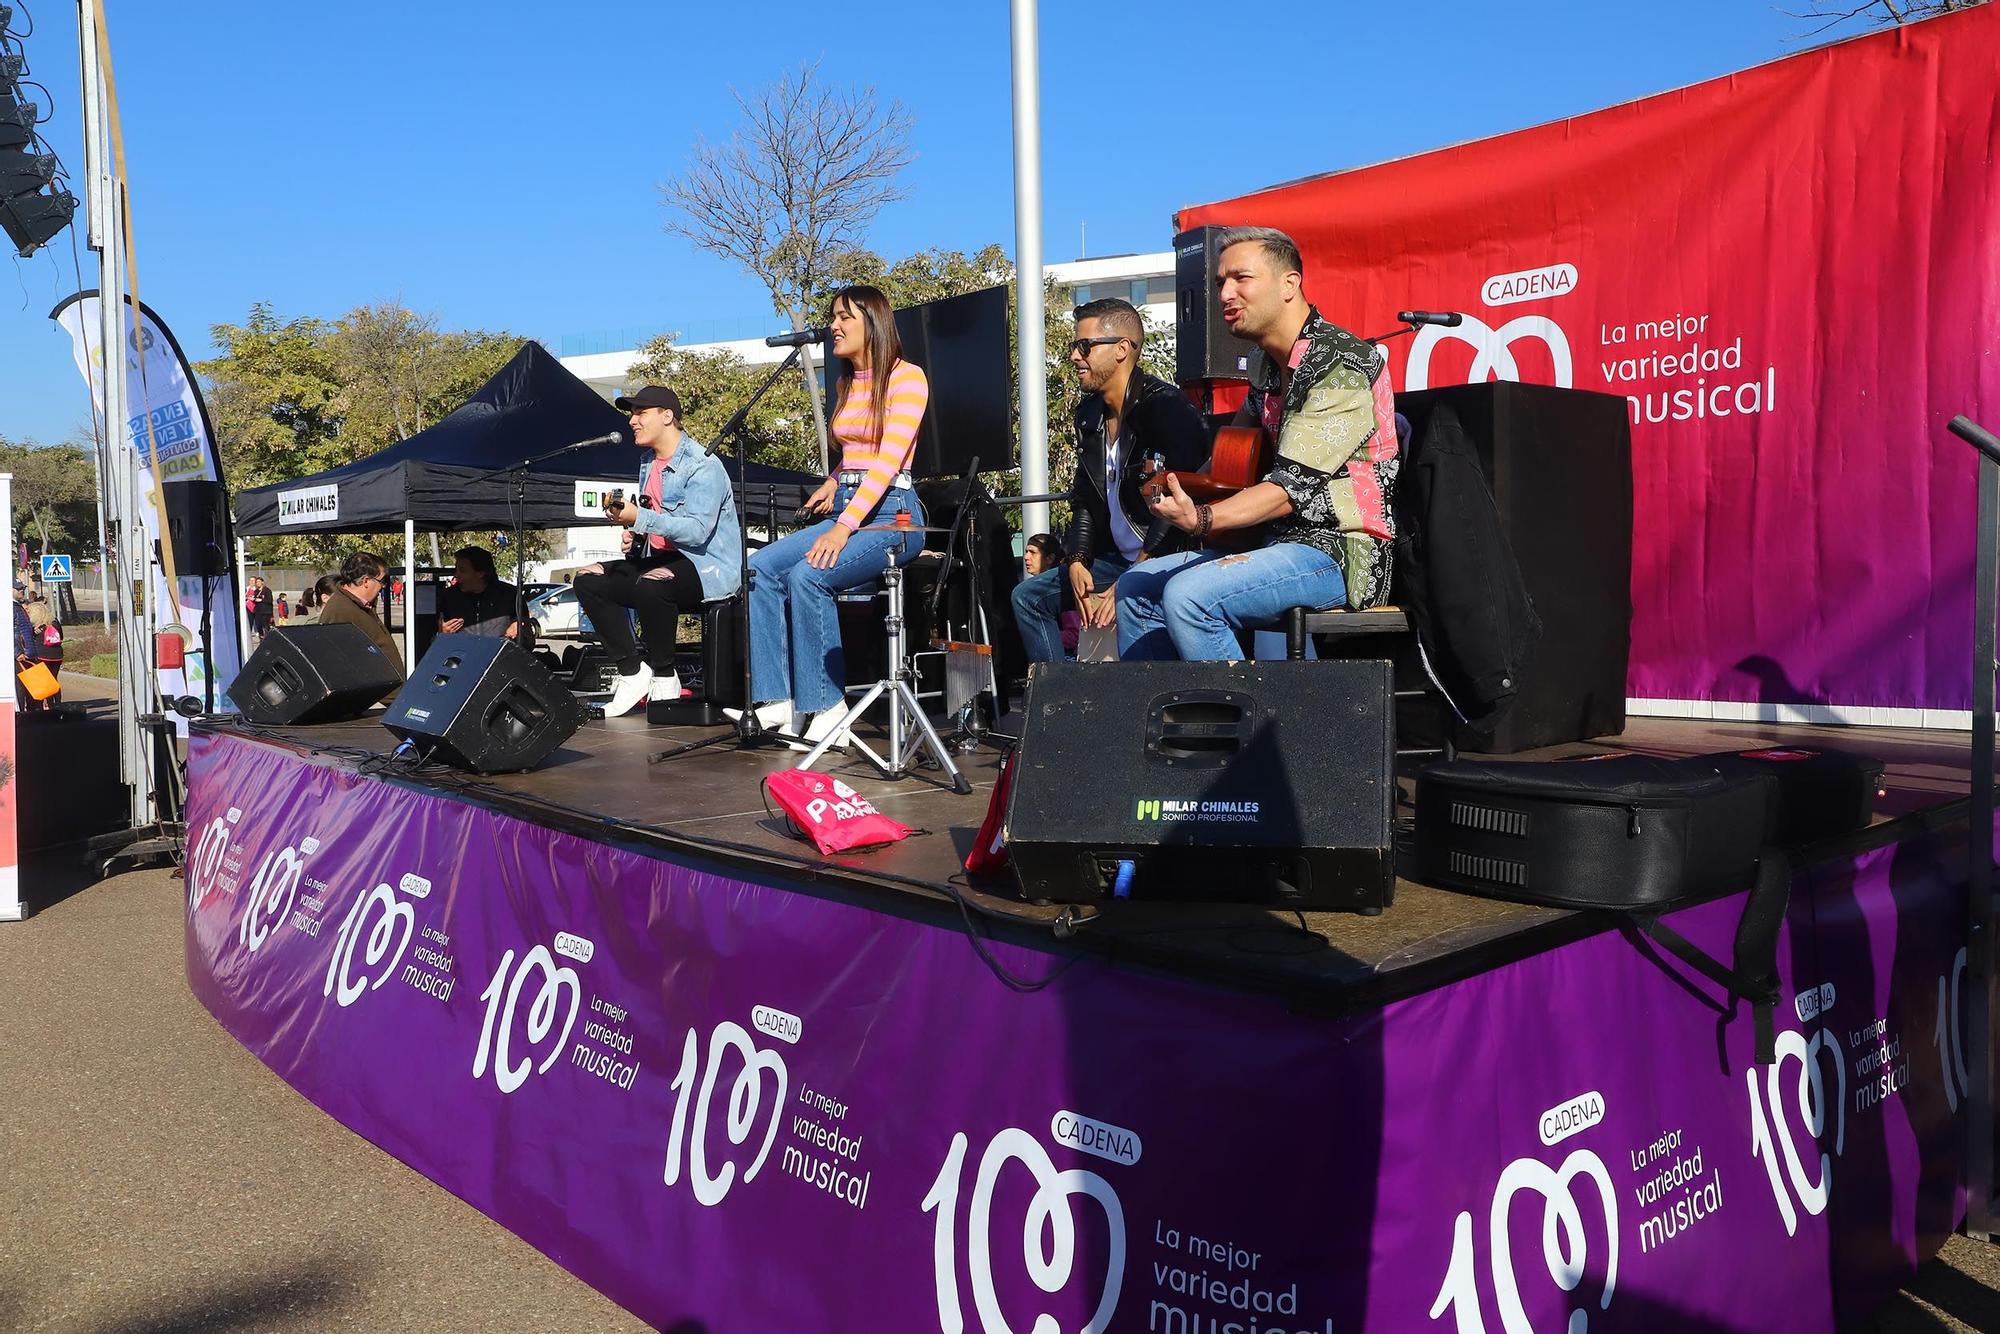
point(162, 394)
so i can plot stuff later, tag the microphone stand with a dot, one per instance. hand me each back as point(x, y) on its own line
point(1378, 339)
point(524, 633)
point(748, 732)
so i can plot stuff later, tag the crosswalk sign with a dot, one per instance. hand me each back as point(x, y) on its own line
point(55, 570)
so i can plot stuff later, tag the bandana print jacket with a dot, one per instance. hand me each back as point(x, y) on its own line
point(1337, 453)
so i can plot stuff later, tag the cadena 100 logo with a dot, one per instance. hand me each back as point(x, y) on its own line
point(503, 1002)
point(377, 929)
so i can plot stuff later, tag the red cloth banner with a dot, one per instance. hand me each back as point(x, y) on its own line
point(1789, 272)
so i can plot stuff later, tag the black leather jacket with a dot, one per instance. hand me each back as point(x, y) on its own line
point(1158, 419)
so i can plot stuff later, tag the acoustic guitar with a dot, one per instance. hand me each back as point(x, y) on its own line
point(1239, 459)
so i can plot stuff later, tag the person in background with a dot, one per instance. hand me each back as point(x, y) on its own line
point(47, 640)
point(477, 601)
point(313, 600)
point(1041, 554)
point(352, 602)
point(284, 610)
point(258, 602)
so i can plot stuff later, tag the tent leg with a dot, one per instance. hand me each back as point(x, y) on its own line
point(242, 583)
point(409, 596)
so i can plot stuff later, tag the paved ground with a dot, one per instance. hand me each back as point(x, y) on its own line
point(155, 1179)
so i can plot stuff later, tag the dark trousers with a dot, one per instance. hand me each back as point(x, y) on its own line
point(659, 602)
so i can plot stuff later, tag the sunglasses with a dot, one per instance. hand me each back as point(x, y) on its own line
point(1080, 347)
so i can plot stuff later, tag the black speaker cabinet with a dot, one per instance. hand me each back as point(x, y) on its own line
point(480, 703)
point(1204, 349)
point(198, 527)
point(1259, 782)
point(1560, 465)
point(313, 674)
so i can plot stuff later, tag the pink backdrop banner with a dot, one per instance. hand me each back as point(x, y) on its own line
point(1790, 275)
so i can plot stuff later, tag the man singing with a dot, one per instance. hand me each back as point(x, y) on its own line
point(684, 549)
point(1125, 416)
point(1323, 396)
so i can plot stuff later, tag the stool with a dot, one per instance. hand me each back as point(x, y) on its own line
point(904, 710)
point(1340, 623)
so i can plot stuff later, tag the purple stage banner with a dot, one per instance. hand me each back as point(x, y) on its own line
point(731, 1105)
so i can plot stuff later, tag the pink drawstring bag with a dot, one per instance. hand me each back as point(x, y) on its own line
point(829, 812)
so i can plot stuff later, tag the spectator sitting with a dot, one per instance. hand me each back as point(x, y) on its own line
point(359, 583)
point(477, 601)
point(1042, 553)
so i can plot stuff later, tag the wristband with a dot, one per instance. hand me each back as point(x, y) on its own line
point(1204, 515)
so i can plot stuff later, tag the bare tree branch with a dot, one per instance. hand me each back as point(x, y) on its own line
point(794, 189)
point(1826, 14)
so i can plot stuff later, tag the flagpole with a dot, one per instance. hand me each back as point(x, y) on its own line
point(1031, 337)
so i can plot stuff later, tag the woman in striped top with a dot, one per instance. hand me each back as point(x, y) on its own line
point(795, 655)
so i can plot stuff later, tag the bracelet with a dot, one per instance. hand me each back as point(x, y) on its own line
point(1204, 515)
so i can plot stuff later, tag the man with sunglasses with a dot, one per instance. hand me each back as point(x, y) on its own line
point(1126, 416)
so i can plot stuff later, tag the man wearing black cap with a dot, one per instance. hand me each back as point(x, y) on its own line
point(683, 550)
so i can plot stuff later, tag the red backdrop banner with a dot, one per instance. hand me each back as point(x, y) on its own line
point(1791, 275)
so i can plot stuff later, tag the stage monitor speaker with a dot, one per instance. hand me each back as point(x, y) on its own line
point(478, 702)
point(198, 527)
point(1258, 782)
point(1559, 462)
point(313, 674)
point(1204, 349)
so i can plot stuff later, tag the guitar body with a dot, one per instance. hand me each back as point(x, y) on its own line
point(1239, 459)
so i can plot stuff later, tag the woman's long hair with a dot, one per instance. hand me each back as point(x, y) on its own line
point(885, 348)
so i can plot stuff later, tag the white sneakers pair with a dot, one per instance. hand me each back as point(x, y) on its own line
point(634, 690)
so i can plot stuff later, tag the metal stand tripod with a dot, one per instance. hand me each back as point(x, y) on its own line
point(909, 729)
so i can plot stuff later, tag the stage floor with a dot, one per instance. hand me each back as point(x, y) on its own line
point(709, 804)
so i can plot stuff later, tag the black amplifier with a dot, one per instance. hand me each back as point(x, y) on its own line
point(1248, 782)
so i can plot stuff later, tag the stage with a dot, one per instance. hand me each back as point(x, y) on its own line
point(737, 1085)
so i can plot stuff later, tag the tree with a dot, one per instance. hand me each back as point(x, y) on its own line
point(713, 384)
point(791, 193)
point(294, 397)
point(1825, 14)
point(55, 494)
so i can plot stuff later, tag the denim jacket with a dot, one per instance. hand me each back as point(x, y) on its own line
point(697, 514)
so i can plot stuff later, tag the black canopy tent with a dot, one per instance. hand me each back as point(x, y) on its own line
point(433, 480)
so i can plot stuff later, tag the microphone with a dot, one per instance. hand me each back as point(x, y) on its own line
point(608, 438)
point(797, 338)
point(1449, 319)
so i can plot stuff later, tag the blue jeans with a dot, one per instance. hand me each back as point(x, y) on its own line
point(1038, 604)
point(794, 625)
point(1191, 605)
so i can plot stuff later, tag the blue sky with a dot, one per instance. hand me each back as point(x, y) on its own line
point(497, 163)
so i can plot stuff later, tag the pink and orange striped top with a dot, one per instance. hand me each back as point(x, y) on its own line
point(902, 413)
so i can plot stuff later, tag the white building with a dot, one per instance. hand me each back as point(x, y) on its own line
point(1147, 281)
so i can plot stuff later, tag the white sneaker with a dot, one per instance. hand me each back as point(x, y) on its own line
point(826, 722)
point(632, 691)
point(773, 717)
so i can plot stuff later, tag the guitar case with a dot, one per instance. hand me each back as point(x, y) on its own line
point(1634, 834)
point(1821, 793)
